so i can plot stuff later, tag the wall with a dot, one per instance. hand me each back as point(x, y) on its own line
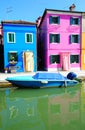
point(20, 46)
point(65, 30)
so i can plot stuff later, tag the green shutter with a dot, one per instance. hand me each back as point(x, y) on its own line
point(78, 21)
point(50, 19)
point(58, 19)
point(58, 38)
point(71, 38)
point(9, 37)
point(71, 21)
point(27, 37)
point(70, 58)
point(12, 37)
point(78, 38)
point(30, 37)
point(51, 59)
point(51, 38)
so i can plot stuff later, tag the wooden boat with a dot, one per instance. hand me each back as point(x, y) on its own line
point(42, 79)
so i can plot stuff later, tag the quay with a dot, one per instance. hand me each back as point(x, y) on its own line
point(3, 76)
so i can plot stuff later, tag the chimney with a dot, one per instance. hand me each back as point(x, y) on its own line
point(38, 20)
point(72, 7)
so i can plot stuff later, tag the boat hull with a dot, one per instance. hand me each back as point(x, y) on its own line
point(43, 83)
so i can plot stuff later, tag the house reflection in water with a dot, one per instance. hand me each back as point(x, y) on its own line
point(44, 109)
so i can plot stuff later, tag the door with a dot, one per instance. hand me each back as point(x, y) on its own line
point(65, 61)
point(28, 61)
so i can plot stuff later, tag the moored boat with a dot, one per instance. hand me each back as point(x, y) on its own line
point(42, 79)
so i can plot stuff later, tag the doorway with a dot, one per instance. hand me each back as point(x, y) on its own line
point(65, 61)
point(28, 61)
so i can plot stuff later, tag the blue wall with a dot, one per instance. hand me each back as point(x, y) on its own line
point(20, 46)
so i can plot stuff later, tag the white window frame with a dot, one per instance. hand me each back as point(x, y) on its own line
point(26, 37)
point(8, 37)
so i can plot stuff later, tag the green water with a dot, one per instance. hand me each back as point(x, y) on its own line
point(43, 109)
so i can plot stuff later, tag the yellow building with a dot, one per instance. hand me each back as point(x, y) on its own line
point(83, 43)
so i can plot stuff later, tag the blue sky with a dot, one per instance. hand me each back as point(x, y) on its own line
point(30, 10)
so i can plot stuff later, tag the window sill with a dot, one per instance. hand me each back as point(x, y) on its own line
point(13, 62)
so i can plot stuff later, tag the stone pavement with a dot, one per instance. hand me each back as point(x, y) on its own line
point(3, 76)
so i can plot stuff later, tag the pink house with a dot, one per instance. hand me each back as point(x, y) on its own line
point(59, 40)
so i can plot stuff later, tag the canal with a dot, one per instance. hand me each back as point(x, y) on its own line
point(43, 109)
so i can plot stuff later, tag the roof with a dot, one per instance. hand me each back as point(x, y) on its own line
point(62, 11)
point(18, 22)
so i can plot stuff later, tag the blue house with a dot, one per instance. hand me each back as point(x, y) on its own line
point(19, 46)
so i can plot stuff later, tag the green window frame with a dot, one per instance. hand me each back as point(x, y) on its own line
point(12, 56)
point(28, 37)
point(74, 21)
point(11, 37)
point(54, 38)
point(75, 38)
point(54, 19)
point(74, 59)
point(54, 59)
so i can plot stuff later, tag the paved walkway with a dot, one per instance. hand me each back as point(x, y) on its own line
point(3, 76)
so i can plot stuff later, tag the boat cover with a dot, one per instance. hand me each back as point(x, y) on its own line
point(54, 76)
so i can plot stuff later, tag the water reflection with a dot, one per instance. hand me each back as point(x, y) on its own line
point(43, 109)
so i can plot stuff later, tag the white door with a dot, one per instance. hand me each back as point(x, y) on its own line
point(28, 61)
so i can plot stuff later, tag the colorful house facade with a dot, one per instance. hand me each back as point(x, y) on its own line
point(59, 37)
point(83, 43)
point(19, 46)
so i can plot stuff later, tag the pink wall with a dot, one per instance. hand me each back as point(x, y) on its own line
point(65, 30)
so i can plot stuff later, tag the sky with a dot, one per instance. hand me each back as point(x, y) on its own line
point(30, 10)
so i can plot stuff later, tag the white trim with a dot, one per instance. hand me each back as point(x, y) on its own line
point(66, 13)
point(75, 17)
point(55, 16)
point(60, 69)
point(54, 69)
point(8, 37)
point(76, 68)
point(25, 37)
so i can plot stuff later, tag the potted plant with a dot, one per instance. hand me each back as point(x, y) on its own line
point(12, 60)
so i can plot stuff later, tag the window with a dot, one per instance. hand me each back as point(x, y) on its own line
point(29, 38)
point(55, 108)
point(11, 37)
point(74, 106)
point(54, 20)
point(74, 21)
point(54, 59)
point(54, 38)
point(75, 38)
point(12, 57)
point(74, 58)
